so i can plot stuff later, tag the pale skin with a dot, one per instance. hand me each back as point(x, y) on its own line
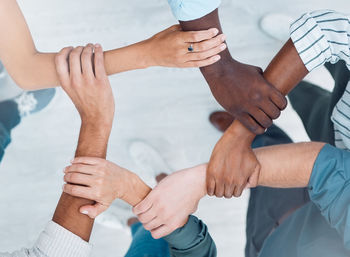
point(86, 83)
point(32, 69)
point(282, 166)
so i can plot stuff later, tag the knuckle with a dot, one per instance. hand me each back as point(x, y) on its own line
point(74, 190)
point(256, 96)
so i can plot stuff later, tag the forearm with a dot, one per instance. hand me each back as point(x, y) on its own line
point(287, 166)
point(32, 69)
point(37, 70)
point(93, 141)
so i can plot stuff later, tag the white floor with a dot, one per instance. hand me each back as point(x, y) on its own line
point(168, 108)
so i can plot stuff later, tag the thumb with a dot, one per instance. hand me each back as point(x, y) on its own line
point(93, 210)
point(253, 180)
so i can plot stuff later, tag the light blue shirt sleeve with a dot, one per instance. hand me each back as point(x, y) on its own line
point(329, 189)
point(187, 10)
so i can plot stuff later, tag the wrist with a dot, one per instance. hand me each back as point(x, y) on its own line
point(147, 58)
point(200, 178)
point(240, 133)
point(97, 123)
point(224, 65)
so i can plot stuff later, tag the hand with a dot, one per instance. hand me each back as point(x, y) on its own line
point(82, 75)
point(233, 164)
point(242, 90)
point(170, 203)
point(170, 47)
point(98, 180)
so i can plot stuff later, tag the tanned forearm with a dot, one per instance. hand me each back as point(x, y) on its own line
point(93, 141)
point(287, 166)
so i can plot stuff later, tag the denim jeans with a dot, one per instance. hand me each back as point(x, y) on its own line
point(144, 245)
point(9, 118)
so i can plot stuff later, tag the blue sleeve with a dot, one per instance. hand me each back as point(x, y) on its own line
point(187, 10)
point(193, 239)
point(329, 189)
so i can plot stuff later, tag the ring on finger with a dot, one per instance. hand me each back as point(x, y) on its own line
point(190, 48)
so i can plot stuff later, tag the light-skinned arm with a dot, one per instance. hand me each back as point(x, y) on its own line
point(90, 91)
point(32, 69)
point(282, 166)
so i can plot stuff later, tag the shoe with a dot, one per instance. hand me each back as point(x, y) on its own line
point(30, 102)
point(148, 160)
point(117, 216)
point(276, 26)
point(221, 120)
point(8, 88)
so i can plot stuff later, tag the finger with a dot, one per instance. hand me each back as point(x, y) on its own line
point(88, 160)
point(238, 190)
point(229, 191)
point(86, 61)
point(205, 55)
point(144, 206)
point(208, 44)
point(81, 168)
point(202, 63)
point(254, 178)
point(99, 63)
point(62, 67)
point(270, 109)
point(78, 191)
point(198, 36)
point(261, 117)
point(219, 188)
point(147, 216)
point(93, 210)
point(210, 181)
point(160, 232)
point(78, 179)
point(278, 99)
point(153, 224)
point(75, 62)
point(250, 123)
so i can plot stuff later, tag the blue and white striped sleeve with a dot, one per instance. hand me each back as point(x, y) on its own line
point(322, 36)
point(188, 10)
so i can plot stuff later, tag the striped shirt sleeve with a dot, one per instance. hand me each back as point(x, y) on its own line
point(322, 36)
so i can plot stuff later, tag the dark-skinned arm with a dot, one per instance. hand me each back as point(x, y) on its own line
point(233, 163)
point(240, 88)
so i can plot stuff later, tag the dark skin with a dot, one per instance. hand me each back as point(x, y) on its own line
point(240, 88)
point(233, 164)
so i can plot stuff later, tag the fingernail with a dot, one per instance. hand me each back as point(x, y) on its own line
point(223, 37)
point(85, 212)
point(215, 31)
point(217, 57)
point(223, 47)
point(97, 45)
point(71, 161)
